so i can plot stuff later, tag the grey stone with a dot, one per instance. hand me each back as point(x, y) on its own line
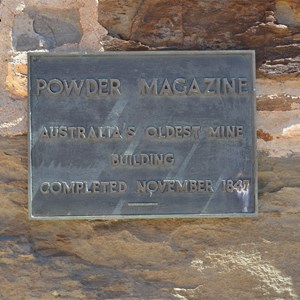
point(26, 42)
point(56, 32)
point(23, 36)
point(46, 29)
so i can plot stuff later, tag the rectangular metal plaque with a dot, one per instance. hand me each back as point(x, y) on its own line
point(142, 135)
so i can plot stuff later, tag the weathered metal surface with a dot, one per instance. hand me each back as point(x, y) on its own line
point(142, 135)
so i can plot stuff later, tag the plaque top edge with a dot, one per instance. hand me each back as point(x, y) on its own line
point(142, 53)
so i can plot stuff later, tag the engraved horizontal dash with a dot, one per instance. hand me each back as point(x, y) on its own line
point(142, 203)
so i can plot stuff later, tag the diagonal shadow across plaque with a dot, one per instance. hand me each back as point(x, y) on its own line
point(142, 135)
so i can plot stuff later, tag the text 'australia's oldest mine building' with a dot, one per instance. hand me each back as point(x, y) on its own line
point(142, 135)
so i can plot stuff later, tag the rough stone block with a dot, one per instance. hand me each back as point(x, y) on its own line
point(16, 80)
point(46, 28)
point(231, 24)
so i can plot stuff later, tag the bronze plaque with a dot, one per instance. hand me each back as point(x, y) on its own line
point(142, 135)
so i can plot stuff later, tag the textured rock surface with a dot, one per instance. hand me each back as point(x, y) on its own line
point(233, 24)
point(255, 258)
point(162, 259)
point(45, 28)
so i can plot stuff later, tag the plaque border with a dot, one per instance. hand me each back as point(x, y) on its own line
point(32, 54)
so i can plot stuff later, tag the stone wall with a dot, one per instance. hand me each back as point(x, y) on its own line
point(255, 258)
